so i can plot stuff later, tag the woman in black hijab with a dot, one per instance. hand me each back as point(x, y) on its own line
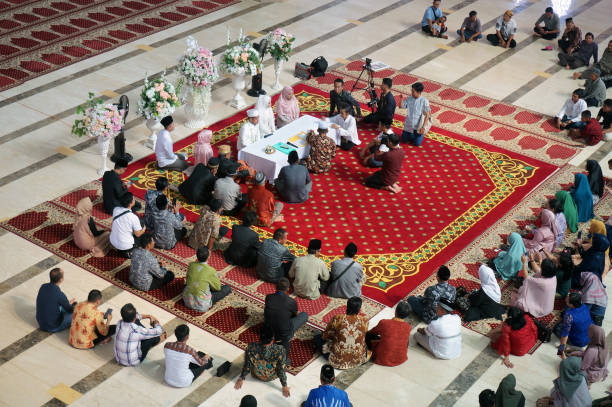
point(596, 181)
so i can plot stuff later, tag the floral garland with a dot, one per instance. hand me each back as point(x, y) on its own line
point(280, 44)
point(158, 98)
point(241, 58)
point(100, 120)
point(197, 66)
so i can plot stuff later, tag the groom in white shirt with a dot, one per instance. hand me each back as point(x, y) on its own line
point(346, 128)
point(249, 132)
point(166, 159)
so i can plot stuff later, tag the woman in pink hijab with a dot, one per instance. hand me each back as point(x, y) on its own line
point(544, 237)
point(202, 150)
point(85, 234)
point(287, 108)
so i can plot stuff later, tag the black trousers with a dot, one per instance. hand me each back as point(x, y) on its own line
point(494, 39)
point(111, 331)
point(373, 118)
point(180, 234)
point(240, 203)
point(375, 180)
point(572, 61)
point(545, 36)
point(160, 282)
point(222, 293)
point(346, 145)
point(563, 44)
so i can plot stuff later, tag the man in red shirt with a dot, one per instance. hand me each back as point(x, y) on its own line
point(389, 339)
point(261, 201)
point(592, 133)
point(392, 160)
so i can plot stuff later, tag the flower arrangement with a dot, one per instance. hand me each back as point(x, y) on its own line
point(158, 98)
point(197, 66)
point(242, 58)
point(100, 120)
point(280, 44)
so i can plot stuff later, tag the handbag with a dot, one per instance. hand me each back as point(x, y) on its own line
point(422, 123)
point(319, 66)
point(302, 71)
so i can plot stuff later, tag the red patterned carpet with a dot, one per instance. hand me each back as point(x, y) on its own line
point(37, 37)
point(454, 186)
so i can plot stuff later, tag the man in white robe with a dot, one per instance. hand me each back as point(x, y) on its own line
point(164, 154)
point(346, 129)
point(249, 132)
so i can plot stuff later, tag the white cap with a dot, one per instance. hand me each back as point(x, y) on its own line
point(323, 125)
point(253, 113)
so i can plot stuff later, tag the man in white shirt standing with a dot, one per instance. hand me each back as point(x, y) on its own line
point(183, 363)
point(346, 128)
point(125, 226)
point(442, 337)
point(249, 131)
point(418, 113)
point(570, 115)
point(166, 159)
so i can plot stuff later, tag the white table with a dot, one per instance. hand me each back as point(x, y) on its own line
point(270, 164)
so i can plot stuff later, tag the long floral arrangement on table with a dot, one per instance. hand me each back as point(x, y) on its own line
point(158, 98)
point(197, 66)
point(240, 59)
point(280, 44)
point(99, 119)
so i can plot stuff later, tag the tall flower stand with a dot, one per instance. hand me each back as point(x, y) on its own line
point(196, 107)
point(154, 125)
point(103, 146)
point(278, 64)
point(238, 82)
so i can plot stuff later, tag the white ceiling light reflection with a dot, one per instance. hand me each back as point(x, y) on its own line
point(561, 7)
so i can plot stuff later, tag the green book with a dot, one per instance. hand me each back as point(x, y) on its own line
point(283, 147)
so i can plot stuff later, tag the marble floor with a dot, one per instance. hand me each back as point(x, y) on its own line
point(42, 160)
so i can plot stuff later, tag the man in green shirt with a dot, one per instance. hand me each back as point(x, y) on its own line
point(203, 287)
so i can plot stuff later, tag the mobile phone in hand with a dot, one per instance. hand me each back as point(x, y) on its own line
point(108, 312)
point(173, 201)
point(580, 234)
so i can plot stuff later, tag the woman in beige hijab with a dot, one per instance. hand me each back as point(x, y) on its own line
point(85, 234)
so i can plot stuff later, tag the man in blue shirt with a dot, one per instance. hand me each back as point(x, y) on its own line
point(326, 394)
point(53, 310)
point(431, 15)
point(417, 107)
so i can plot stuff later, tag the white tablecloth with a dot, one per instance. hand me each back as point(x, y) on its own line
point(270, 164)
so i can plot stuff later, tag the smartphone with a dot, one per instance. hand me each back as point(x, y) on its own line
point(580, 234)
point(108, 312)
point(173, 201)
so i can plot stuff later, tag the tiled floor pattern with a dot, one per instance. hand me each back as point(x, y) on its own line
point(40, 369)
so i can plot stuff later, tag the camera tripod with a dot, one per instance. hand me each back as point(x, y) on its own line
point(367, 69)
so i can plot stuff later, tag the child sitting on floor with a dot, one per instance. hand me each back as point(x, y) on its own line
point(592, 133)
point(438, 27)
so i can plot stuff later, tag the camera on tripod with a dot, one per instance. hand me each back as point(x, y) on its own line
point(367, 68)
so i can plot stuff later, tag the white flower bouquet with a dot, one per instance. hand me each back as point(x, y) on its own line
point(100, 120)
point(280, 44)
point(242, 58)
point(158, 98)
point(197, 66)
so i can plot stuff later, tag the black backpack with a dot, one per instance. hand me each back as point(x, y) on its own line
point(319, 66)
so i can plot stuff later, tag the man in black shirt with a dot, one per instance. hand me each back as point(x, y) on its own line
point(245, 242)
point(281, 314)
point(339, 97)
point(386, 104)
point(605, 118)
point(197, 189)
point(113, 188)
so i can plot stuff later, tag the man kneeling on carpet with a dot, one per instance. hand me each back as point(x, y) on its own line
point(202, 287)
point(261, 201)
point(168, 224)
point(265, 360)
point(368, 153)
point(229, 193)
point(133, 341)
point(183, 363)
point(310, 273)
point(392, 160)
point(146, 272)
point(592, 133)
point(273, 258)
point(164, 154)
point(293, 183)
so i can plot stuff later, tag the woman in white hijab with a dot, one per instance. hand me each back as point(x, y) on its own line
point(266, 115)
point(485, 303)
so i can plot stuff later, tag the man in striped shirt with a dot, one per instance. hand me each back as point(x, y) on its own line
point(183, 363)
point(132, 340)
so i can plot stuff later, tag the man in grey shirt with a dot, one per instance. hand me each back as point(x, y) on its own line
point(505, 29)
point(293, 182)
point(551, 28)
point(471, 29)
point(229, 193)
point(595, 90)
point(346, 275)
point(273, 258)
point(168, 224)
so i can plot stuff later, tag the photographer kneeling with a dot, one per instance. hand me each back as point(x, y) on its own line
point(385, 109)
point(391, 160)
